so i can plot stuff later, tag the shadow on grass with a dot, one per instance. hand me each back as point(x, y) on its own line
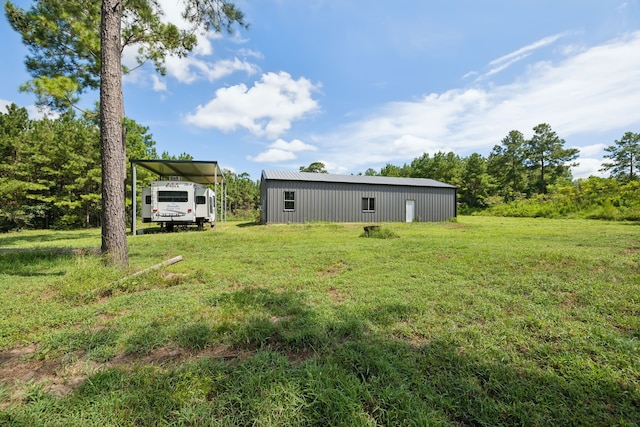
point(18, 238)
point(248, 224)
point(33, 263)
point(349, 375)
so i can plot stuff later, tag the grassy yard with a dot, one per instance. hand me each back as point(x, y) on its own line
point(483, 321)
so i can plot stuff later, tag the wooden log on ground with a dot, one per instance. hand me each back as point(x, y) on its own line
point(153, 267)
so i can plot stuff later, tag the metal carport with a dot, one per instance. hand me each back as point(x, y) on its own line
point(201, 172)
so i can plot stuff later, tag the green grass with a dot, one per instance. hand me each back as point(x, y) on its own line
point(483, 321)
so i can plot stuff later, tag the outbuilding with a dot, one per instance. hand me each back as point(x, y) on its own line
point(299, 197)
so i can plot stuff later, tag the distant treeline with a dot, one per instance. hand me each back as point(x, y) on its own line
point(50, 170)
point(50, 175)
point(532, 178)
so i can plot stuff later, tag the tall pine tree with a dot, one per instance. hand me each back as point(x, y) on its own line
point(547, 158)
point(76, 45)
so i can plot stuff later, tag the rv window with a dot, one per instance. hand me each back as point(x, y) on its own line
point(368, 204)
point(201, 200)
point(289, 200)
point(147, 200)
point(173, 196)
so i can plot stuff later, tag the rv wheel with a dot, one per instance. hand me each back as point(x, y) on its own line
point(170, 227)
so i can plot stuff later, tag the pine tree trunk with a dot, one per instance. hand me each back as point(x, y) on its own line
point(114, 232)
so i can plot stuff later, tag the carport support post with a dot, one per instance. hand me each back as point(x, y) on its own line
point(133, 198)
point(215, 180)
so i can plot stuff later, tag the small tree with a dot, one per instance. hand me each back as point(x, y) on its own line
point(243, 193)
point(393, 170)
point(315, 167)
point(445, 167)
point(625, 156)
point(475, 182)
point(547, 158)
point(506, 165)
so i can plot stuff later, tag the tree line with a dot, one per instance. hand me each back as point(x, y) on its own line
point(51, 177)
point(532, 177)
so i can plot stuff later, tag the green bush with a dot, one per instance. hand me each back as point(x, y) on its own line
point(379, 233)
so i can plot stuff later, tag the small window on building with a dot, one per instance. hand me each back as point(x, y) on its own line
point(289, 200)
point(201, 200)
point(368, 204)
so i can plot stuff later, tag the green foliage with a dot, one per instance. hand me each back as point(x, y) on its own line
point(52, 174)
point(314, 167)
point(243, 196)
point(182, 156)
point(625, 156)
point(392, 170)
point(75, 44)
point(63, 38)
point(594, 198)
point(445, 167)
point(50, 169)
point(506, 165)
point(377, 232)
point(546, 157)
point(475, 182)
point(64, 48)
point(531, 178)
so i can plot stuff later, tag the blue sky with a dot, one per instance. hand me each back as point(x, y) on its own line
point(358, 84)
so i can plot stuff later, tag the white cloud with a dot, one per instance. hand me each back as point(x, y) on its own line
point(35, 112)
point(409, 144)
point(500, 64)
point(266, 109)
point(504, 65)
point(293, 146)
point(588, 167)
point(190, 69)
point(590, 161)
point(273, 155)
point(281, 150)
point(249, 53)
point(584, 96)
point(193, 67)
point(526, 50)
point(595, 150)
point(158, 85)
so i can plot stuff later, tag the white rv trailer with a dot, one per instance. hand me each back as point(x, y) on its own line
point(173, 203)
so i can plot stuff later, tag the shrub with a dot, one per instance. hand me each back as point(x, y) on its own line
point(379, 233)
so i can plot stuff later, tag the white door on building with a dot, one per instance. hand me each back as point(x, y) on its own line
point(410, 210)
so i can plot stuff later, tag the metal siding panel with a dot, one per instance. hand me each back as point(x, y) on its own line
point(341, 202)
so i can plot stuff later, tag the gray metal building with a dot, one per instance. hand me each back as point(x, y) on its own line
point(303, 196)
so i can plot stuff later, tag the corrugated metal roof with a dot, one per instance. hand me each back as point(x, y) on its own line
point(353, 179)
point(201, 172)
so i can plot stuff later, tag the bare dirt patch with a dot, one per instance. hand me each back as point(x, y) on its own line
point(333, 269)
point(336, 295)
point(20, 368)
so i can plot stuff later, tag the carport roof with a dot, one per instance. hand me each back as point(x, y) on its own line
point(201, 172)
